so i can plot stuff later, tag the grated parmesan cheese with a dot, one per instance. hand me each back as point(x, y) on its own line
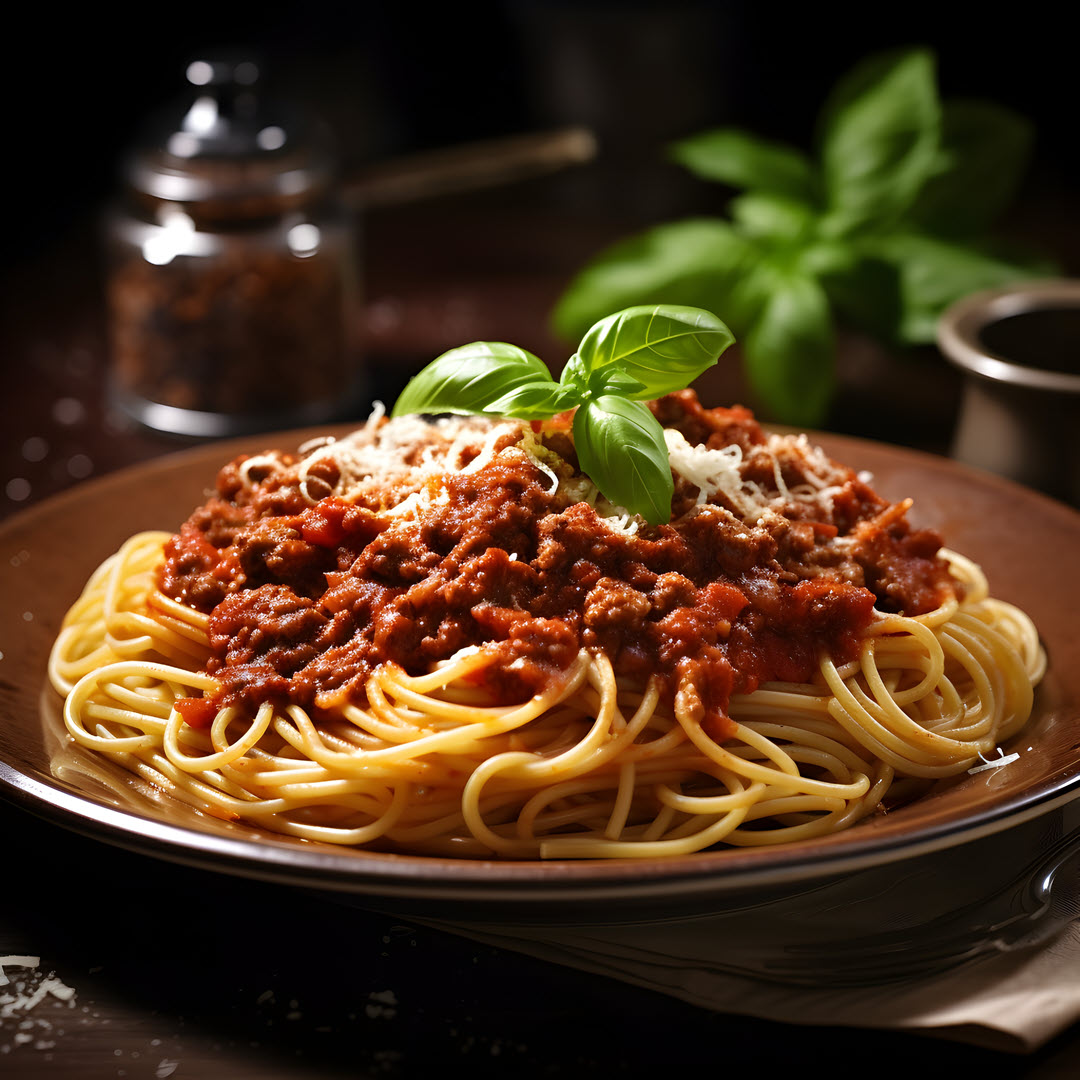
point(712, 472)
point(994, 763)
point(394, 467)
point(26, 993)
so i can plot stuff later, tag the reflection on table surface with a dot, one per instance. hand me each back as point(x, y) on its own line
point(165, 970)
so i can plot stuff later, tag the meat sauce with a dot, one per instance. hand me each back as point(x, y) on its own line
point(306, 601)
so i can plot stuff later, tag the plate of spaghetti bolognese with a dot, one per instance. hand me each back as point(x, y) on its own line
point(426, 661)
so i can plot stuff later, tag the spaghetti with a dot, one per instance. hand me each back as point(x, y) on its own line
point(435, 636)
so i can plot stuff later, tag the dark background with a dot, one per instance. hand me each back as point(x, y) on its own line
point(395, 78)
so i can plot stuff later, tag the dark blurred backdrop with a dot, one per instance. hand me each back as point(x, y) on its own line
point(392, 78)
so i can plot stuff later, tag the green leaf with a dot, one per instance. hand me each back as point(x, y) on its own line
point(863, 290)
point(664, 348)
point(575, 378)
point(468, 378)
point(611, 380)
point(743, 160)
point(880, 140)
point(986, 150)
point(620, 446)
point(696, 262)
point(751, 293)
point(533, 400)
point(772, 217)
point(790, 353)
point(933, 273)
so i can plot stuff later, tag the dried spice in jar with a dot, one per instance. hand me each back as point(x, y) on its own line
point(231, 268)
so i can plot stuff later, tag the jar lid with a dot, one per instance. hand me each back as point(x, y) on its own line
point(231, 147)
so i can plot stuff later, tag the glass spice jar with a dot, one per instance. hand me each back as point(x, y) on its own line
point(231, 267)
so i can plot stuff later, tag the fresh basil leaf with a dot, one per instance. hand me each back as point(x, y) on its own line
point(986, 149)
point(611, 380)
point(880, 140)
point(664, 347)
point(790, 353)
point(772, 217)
point(694, 262)
point(743, 160)
point(933, 273)
point(864, 290)
point(575, 378)
point(468, 378)
point(825, 257)
point(752, 291)
point(581, 384)
point(535, 400)
point(620, 446)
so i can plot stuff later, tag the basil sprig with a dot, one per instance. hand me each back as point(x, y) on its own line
point(623, 360)
point(882, 227)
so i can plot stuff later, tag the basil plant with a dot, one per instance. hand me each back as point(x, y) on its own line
point(882, 227)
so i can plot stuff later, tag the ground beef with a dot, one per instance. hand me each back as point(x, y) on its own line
point(306, 601)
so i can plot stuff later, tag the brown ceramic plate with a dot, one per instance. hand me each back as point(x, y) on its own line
point(1026, 543)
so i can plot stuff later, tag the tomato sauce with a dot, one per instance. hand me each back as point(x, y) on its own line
point(306, 601)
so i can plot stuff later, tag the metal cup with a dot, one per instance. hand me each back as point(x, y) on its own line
point(1019, 351)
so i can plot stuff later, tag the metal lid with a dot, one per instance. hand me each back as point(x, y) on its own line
point(231, 147)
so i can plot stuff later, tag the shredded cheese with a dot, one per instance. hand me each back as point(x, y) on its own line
point(712, 472)
point(994, 763)
point(720, 475)
point(393, 467)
